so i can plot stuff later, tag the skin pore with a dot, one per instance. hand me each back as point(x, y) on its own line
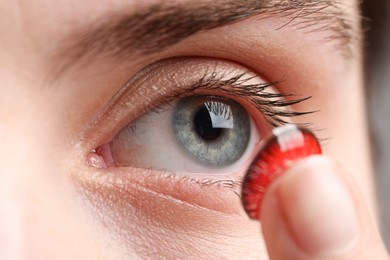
point(70, 82)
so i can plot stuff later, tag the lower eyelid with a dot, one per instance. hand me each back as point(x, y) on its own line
point(209, 192)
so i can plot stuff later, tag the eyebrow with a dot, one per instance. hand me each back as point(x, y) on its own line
point(154, 28)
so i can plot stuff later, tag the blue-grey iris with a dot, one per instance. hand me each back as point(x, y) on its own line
point(213, 130)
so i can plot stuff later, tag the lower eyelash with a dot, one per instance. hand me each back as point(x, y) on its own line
point(232, 184)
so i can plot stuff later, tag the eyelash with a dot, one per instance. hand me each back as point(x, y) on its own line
point(271, 105)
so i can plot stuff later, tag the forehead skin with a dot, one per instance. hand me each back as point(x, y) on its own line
point(61, 60)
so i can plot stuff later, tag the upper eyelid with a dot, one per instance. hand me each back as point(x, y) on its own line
point(228, 81)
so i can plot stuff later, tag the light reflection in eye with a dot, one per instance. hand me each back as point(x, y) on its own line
point(220, 114)
point(195, 134)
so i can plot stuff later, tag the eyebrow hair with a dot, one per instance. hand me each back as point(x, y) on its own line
point(156, 27)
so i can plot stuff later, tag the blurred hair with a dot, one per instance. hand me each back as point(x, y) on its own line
point(376, 27)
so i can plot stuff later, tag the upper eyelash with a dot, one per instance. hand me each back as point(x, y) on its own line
point(271, 105)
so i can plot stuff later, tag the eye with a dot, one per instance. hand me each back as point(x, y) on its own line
point(193, 134)
point(190, 115)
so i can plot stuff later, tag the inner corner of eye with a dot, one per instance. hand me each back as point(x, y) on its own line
point(100, 157)
point(197, 134)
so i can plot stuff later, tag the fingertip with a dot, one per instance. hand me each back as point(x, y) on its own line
point(310, 212)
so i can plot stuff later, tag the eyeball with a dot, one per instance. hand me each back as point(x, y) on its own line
point(197, 134)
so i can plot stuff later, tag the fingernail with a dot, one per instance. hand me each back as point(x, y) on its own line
point(319, 211)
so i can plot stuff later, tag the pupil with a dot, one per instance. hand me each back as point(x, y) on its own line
point(204, 125)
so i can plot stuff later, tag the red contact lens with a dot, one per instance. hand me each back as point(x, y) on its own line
point(287, 144)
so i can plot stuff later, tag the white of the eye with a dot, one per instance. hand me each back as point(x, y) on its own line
point(152, 144)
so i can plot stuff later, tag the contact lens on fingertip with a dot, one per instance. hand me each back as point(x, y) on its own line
point(286, 145)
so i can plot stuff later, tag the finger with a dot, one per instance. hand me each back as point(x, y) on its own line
point(314, 211)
